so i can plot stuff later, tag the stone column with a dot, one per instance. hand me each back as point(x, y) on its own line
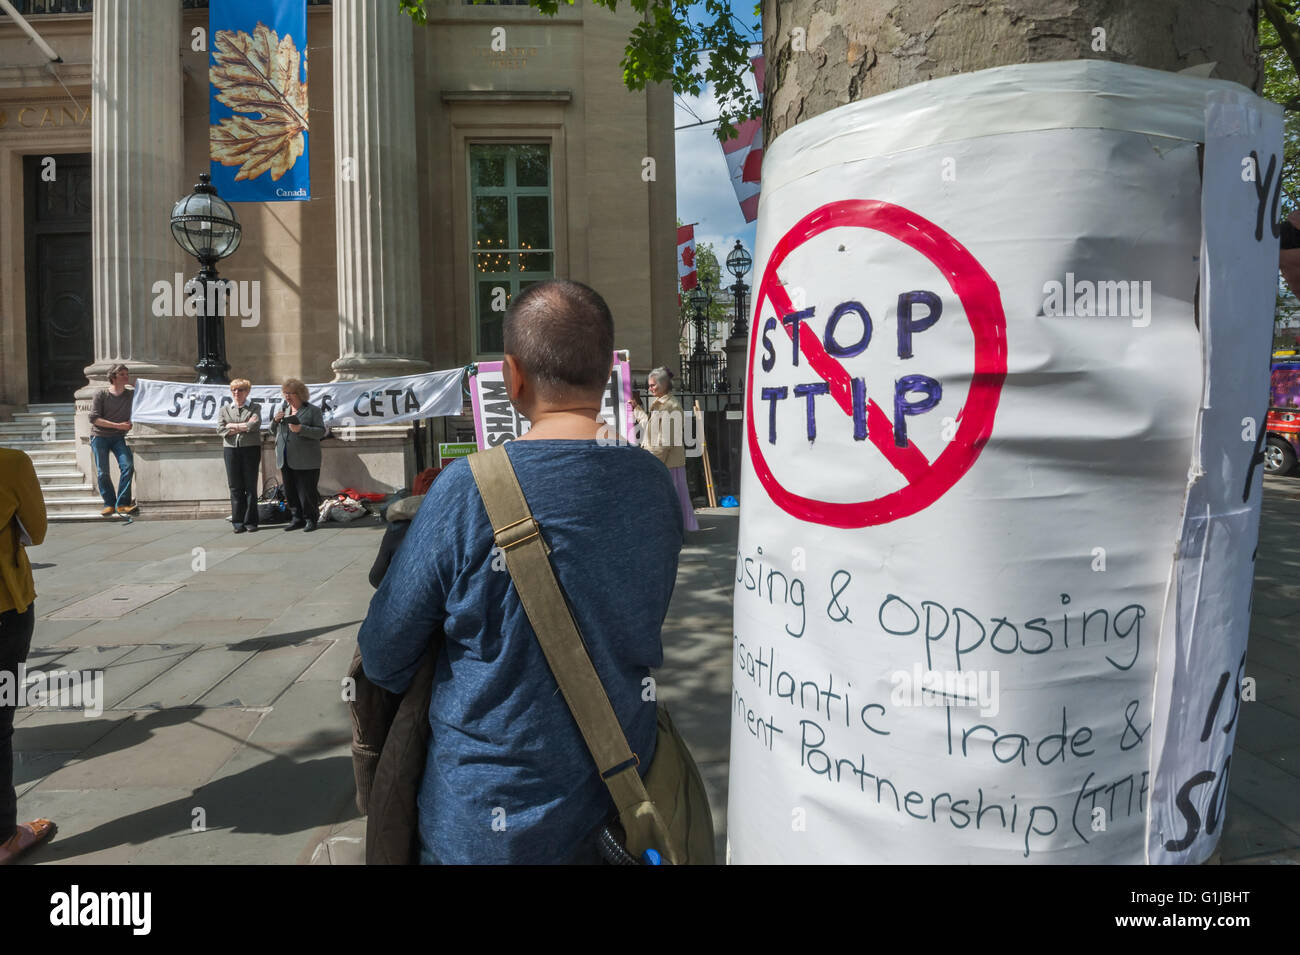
point(376, 192)
point(136, 177)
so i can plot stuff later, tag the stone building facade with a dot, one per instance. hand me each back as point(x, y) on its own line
point(491, 126)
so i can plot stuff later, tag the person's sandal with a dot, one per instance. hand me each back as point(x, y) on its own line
point(36, 831)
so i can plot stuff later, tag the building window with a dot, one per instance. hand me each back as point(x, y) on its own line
point(511, 234)
point(31, 8)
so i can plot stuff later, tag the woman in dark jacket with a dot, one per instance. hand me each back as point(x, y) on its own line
point(298, 432)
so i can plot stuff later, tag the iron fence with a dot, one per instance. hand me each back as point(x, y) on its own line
point(721, 431)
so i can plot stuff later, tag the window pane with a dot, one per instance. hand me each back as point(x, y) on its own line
point(510, 205)
point(489, 321)
point(533, 218)
point(535, 262)
point(489, 165)
point(494, 263)
point(491, 222)
point(532, 165)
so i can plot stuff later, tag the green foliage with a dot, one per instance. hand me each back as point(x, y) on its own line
point(1282, 85)
point(709, 270)
point(667, 46)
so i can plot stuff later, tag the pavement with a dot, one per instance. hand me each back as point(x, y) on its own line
point(224, 736)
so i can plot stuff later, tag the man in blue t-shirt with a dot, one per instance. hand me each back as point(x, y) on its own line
point(508, 777)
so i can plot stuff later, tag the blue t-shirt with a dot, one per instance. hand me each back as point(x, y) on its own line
point(509, 778)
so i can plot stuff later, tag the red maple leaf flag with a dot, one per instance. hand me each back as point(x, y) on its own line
point(686, 273)
point(745, 154)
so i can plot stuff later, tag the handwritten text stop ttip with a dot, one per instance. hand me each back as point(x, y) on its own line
point(930, 390)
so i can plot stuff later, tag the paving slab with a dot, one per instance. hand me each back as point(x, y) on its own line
point(1265, 729)
point(264, 808)
point(131, 630)
point(185, 683)
point(47, 632)
point(220, 629)
point(62, 731)
point(307, 715)
point(167, 748)
point(105, 826)
point(692, 698)
point(84, 657)
point(1287, 760)
point(332, 665)
point(114, 602)
point(307, 615)
point(1261, 649)
point(1248, 832)
point(265, 675)
point(1267, 788)
point(31, 768)
point(139, 667)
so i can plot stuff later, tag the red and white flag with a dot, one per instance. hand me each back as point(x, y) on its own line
point(686, 273)
point(754, 160)
point(744, 170)
point(744, 154)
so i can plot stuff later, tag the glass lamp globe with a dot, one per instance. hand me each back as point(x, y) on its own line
point(204, 225)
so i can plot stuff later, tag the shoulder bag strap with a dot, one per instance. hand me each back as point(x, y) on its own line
point(519, 536)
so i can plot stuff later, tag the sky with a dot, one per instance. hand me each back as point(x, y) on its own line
point(704, 193)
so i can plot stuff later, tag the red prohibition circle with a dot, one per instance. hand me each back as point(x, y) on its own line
point(979, 296)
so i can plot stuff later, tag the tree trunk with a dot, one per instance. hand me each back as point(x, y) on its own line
point(825, 53)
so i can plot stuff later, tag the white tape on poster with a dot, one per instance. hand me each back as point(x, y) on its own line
point(370, 401)
point(1201, 677)
point(973, 386)
point(496, 420)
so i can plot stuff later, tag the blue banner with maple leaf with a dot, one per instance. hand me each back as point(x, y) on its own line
point(257, 74)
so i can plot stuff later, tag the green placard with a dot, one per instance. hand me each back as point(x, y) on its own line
point(449, 452)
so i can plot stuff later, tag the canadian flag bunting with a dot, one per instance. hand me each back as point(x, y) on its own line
point(686, 273)
point(744, 154)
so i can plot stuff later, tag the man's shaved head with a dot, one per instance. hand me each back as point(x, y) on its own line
point(562, 333)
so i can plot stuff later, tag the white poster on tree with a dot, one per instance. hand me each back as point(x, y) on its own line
point(974, 384)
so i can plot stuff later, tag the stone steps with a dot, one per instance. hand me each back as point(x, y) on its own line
point(69, 496)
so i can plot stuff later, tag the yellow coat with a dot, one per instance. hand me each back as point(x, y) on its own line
point(21, 498)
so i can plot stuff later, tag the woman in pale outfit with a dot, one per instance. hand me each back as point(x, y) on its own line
point(241, 432)
point(663, 436)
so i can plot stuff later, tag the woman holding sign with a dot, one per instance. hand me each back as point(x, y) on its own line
point(298, 432)
point(662, 433)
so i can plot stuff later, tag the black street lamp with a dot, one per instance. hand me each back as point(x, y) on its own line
point(204, 225)
point(739, 264)
point(701, 300)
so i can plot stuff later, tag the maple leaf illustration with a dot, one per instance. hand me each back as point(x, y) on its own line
point(258, 75)
point(688, 257)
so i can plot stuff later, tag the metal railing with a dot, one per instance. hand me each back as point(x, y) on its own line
point(703, 373)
